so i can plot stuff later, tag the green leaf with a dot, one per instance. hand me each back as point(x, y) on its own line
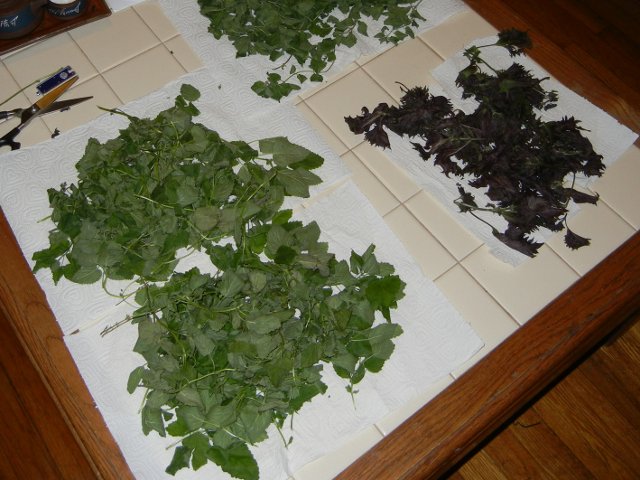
point(385, 292)
point(221, 416)
point(287, 154)
point(297, 182)
point(189, 92)
point(152, 420)
point(83, 275)
point(236, 460)
point(205, 218)
point(135, 377)
point(264, 324)
point(199, 445)
point(181, 457)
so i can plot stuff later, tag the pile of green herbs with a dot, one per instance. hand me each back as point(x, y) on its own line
point(304, 34)
point(504, 147)
point(230, 354)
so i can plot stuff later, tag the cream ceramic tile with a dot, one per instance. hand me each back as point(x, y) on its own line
point(346, 97)
point(453, 34)
point(381, 198)
point(428, 253)
point(115, 39)
point(408, 63)
point(45, 58)
point(183, 53)
point(390, 174)
point(82, 113)
point(524, 290)
point(8, 87)
point(488, 319)
point(619, 187)
point(395, 418)
point(153, 15)
point(606, 229)
point(328, 80)
point(329, 466)
point(319, 126)
point(445, 227)
point(143, 74)
point(364, 59)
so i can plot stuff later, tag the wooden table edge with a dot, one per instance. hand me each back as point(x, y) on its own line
point(441, 433)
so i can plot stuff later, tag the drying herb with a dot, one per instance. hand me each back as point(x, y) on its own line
point(230, 354)
point(164, 184)
point(304, 34)
point(526, 166)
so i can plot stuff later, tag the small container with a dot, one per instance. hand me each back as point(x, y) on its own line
point(66, 9)
point(20, 17)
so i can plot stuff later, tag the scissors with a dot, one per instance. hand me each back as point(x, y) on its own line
point(46, 104)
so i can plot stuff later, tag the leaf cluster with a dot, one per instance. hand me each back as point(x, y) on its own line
point(226, 355)
point(305, 33)
point(231, 354)
point(164, 184)
point(504, 147)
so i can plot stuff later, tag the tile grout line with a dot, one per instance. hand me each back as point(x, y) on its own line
point(99, 72)
point(348, 149)
point(162, 42)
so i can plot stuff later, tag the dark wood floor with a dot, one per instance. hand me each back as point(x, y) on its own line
point(585, 427)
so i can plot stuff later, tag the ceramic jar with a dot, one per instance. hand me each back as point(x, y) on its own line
point(20, 17)
point(66, 9)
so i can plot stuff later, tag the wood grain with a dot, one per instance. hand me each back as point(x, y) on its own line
point(36, 442)
point(584, 427)
point(51, 25)
point(595, 59)
point(24, 304)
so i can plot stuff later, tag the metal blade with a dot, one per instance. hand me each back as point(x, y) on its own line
point(38, 107)
point(63, 105)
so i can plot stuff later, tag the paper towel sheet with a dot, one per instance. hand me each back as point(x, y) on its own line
point(608, 136)
point(26, 174)
point(434, 342)
point(238, 74)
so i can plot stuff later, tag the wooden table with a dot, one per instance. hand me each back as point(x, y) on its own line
point(476, 404)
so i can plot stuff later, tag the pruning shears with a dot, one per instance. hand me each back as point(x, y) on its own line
point(46, 104)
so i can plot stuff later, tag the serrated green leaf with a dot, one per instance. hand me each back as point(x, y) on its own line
point(287, 154)
point(180, 460)
point(189, 92)
point(152, 420)
point(236, 460)
point(297, 182)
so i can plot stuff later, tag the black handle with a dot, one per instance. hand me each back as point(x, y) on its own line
point(9, 139)
point(6, 114)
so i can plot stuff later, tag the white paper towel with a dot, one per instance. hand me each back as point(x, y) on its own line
point(26, 174)
point(608, 136)
point(238, 74)
point(434, 342)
